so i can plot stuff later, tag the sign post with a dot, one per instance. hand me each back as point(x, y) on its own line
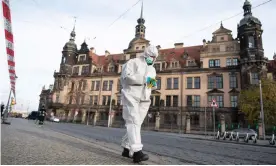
point(214, 105)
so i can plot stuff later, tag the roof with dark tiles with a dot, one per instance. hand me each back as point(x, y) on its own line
point(169, 54)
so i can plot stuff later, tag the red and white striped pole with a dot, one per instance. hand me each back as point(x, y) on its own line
point(10, 52)
point(9, 43)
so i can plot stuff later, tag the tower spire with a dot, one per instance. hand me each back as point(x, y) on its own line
point(73, 33)
point(247, 8)
point(141, 16)
point(140, 28)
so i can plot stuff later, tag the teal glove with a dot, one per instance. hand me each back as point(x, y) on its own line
point(153, 82)
point(148, 80)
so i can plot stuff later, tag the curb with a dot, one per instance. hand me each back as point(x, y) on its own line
point(229, 142)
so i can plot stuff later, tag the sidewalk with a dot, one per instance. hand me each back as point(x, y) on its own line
point(264, 143)
point(24, 143)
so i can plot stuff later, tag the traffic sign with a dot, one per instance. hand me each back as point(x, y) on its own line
point(214, 103)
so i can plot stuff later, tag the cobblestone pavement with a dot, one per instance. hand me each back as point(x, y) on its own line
point(172, 148)
point(24, 143)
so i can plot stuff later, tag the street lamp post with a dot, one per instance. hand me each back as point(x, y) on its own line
point(262, 109)
point(110, 107)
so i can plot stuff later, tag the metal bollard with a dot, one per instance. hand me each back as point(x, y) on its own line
point(272, 141)
point(218, 136)
point(237, 137)
point(254, 138)
point(231, 136)
point(224, 135)
point(246, 138)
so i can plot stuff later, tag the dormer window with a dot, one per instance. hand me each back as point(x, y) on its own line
point(174, 64)
point(157, 66)
point(111, 68)
point(99, 69)
point(221, 38)
point(81, 58)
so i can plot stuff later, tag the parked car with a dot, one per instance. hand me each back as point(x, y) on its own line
point(54, 119)
point(33, 115)
point(242, 132)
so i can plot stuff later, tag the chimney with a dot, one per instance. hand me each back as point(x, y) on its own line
point(204, 42)
point(107, 53)
point(178, 45)
point(158, 47)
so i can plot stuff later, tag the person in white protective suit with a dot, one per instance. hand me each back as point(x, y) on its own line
point(138, 80)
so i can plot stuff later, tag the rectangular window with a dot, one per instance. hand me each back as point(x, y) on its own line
point(110, 85)
point(97, 85)
point(157, 101)
point(217, 63)
point(80, 85)
point(197, 82)
point(76, 70)
point(82, 99)
point(108, 100)
point(158, 83)
point(90, 100)
point(189, 102)
point(189, 82)
point(215, 82)
point(92, 85)
point(235, 62)
point(85, 70)
point(57, 98)
point(169, 83)
point(70, 99)
point(214, 63)
point(175, 83)
point(72, 86)
point(228, 62)
point(231, 62)
point(95, 101)
point(104, 100)
point(175, 101)
point(118, 100)
point(168, 101)
point(219, 82)
point(211, 82)
point(211, 63)
point(105, 84)
point(77, 99)
point(84, 85)
point(234, 101)
point(233, 81)
point(218, 98)
point(254, 78)
point(196, 102)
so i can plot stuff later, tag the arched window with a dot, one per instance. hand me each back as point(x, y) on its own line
point(251, 42)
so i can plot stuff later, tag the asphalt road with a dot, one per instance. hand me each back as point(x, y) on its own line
point(172, 149)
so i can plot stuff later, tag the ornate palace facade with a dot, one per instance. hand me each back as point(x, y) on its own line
point(189, 78)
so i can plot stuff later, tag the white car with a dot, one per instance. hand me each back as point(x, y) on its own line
point(54, 119)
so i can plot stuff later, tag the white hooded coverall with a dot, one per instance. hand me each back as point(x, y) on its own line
point(136, 97)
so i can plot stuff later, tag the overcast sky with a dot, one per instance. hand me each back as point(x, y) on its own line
point(39, 39)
